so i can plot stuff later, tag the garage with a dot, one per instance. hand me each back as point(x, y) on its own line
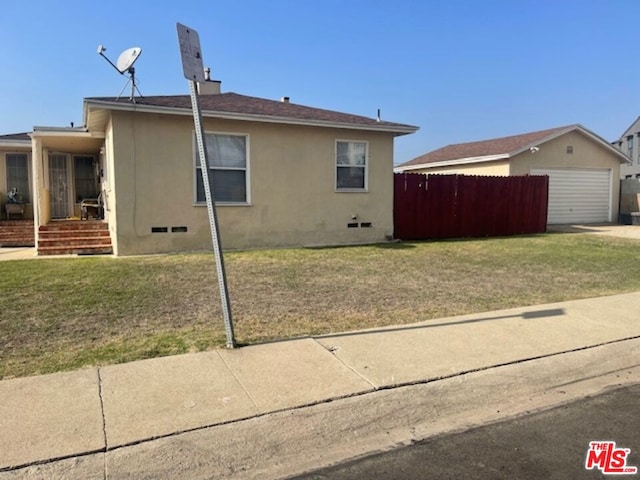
point(578, 195)
point(583, 168)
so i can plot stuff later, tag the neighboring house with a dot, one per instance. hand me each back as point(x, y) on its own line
point(629, 144)
point(284, 174)
point(583, 168)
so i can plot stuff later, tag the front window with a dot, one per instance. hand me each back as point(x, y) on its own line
point(18, 175)
point(227, 156)
point(351, 165)
point(86, 183)
point(630, 146)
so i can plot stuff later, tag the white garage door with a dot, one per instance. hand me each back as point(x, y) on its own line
point(578, 195)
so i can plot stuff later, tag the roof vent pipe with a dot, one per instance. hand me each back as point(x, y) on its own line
point(284, 99)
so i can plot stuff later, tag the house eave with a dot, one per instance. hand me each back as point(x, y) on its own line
point(78, 132)
point(622, 157)
point(15, 143)
point(396, 129)
point(453, 163)
point(579, 128)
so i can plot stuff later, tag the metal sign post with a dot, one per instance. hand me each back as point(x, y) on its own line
point(193, 69)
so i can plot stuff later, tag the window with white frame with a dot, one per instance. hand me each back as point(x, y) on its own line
point(351, 165)
point(18, 174)
point(227, 155)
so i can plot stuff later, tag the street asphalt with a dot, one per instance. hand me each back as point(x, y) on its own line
point(284, 408)
point(553, 444)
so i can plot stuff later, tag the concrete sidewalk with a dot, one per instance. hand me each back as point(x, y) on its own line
point(121, 407)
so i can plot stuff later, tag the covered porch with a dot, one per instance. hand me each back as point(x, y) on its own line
point(70, 205)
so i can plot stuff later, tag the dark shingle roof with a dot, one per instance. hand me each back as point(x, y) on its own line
point(496, 146)
point(233, 103)
point(16, 136)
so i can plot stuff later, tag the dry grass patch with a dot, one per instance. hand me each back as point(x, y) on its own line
point(60, 314)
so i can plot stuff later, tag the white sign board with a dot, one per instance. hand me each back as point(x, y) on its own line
point(192, 64)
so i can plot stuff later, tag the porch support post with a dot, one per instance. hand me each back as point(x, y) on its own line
point(36, 184)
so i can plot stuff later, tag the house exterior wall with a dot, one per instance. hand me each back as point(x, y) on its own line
point(586, 154)
point(291, 170)
point(498, 168)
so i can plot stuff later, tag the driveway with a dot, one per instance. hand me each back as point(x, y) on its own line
point(611, 229)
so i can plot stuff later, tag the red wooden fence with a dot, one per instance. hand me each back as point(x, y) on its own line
point(451, 206)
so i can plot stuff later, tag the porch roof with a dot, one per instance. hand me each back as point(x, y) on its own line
point(69, 139)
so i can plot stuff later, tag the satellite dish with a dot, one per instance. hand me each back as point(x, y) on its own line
point(127, 59)
point(124, 65)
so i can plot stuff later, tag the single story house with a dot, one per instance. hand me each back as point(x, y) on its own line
point(583, 168)
point(283, 174)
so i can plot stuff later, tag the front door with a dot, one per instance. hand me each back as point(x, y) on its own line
point(59, 186)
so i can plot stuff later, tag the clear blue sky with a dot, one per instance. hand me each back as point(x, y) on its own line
point(460, 70)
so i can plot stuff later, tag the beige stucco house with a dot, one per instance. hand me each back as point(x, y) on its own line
point(284, 174)
point(583, 168)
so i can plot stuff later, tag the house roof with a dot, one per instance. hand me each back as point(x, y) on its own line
point(632, 129)
point(496, 149)
point(241, 107)
point(15, 140)
point(16, 136)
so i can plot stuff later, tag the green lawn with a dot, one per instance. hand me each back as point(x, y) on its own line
point(61, 314)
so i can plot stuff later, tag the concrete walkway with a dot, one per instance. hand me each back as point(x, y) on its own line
point(18, 253)
point(120, 407)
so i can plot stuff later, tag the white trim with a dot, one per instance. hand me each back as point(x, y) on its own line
point(15, 144)
point(457, 161)
point(77, 132)
point(335, 167)
point(403, 130)
point(247, 179)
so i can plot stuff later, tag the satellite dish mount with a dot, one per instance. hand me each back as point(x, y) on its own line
point(123, 65)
